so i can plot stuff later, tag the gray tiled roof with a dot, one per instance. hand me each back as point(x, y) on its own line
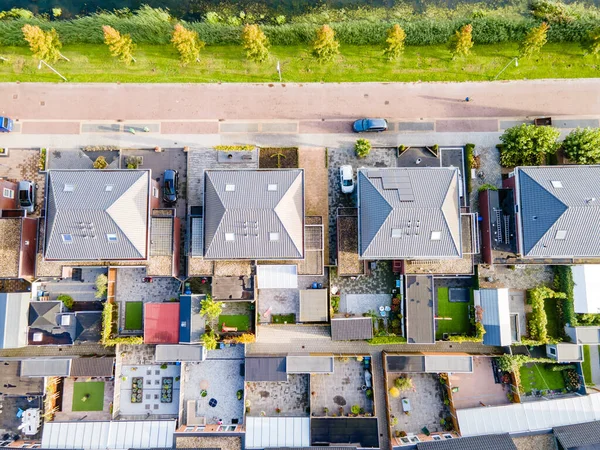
point(351, 329)
point(581, 435)
point(251, 212)
point(487, 442)
point(496, 318)
point(92, 367)
point(545, 210)
point(266, 368)
point(161, 236)
point(14, 309)
point(89, 212)
point(419, 309)
point(430, 204)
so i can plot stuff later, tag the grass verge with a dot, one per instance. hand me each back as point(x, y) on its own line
point(540, 377)
point(241, 322)
point(93, 389)
point(133, 315)
point(458, 311)
point(92, 63)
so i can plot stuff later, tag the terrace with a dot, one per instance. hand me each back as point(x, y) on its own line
point(83, 399)
point(348, 387)
point(480, 388)
point(283, 398)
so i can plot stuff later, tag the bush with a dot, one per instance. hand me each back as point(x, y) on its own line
point(561, 367)
point(563, 282)
point(355, 409)
point(462, 41)
point(538, 319)
point(335, 303)
point(403, 383)
point(325, 46)
point(394, 392)
point(591, 43)
point(487, 187)
point(528, 145)
point(362, 148)
point(389, 339)
point(583, 145)
point(66, 299)
point(209, 340)
point(101, 286)
point(100, 163)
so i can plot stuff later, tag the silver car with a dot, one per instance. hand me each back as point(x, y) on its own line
point(27, 196)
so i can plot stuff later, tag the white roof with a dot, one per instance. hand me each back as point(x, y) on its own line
point(277, 276)
point(172, 353)
point(530, 416)
point(586, 292)
point(267, 432)
point(45, 367)
point(107, 435)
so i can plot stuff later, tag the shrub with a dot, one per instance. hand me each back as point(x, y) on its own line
point(394, 392)
point(209, 340)
point(538, 319)
point(561, 367)
point(66, 299)
point(534, 41)
point(389, 339)
point(487, 187)
point(583, 145)
point(591, 43)
point(255, 43)
point(101, 286)
point(325, 47)
point(100, 163)
point(355, 409)
point(210, 309)
point(403, 383)
point(394, 43)
point(527, 145)
point(335, 303)
point(362, 148)
point(120, 45)
point(461, 42)
point(187, 43)
point(234, 148)
point(563, 282)
point(246, 338)
point(108, 327)
point(44, 45)
point(512, 363)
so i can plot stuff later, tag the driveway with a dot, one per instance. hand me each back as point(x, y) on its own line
point(23, 164)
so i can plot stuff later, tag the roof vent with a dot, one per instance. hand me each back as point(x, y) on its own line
point(230, 236)
point(108, 187)
point(557, 184)
point(561, 234)
point(590, 200)
point(436, 235)
point(273, 236)
point(38, 337)
point(396, 233)
point(69, 188)
point(229, 187)
point(272, 187)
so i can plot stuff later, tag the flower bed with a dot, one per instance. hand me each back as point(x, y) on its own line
point(137, 389)
point(166, 390)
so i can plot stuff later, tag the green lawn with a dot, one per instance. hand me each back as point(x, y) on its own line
point(283, 318)
point(92, 63)
point(133, 315)
point(240, 321)
point(586, 365)
point(553, 326)
point(539, 376)
point(95, 390)
point(458, 311)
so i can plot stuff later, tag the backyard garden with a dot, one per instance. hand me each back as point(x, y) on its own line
point(133, 316)
point(88, 396)
point(455, 315)
point(548, 379)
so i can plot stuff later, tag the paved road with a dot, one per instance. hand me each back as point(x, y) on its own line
point(43, 101)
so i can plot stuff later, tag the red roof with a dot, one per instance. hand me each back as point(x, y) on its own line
point(161, 323)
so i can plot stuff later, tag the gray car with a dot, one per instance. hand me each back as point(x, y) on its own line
point(27, 196)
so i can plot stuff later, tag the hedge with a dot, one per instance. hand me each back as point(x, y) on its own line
point(382, 340)
point(563, 282)
point(108, 321)
point(538, 320)
point(149, 26)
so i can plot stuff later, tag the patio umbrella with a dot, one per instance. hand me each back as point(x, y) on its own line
point(204, 384)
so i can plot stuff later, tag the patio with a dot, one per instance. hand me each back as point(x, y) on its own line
point(81, 285)
point(478, 388)
point(290, 398)
point(213, 385)
point(96, 407)
point(339, 392)
point(274, 302)
point(426, 404)
point(150, 389)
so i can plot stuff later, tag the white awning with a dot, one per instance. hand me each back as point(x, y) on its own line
point(268, 432)
point(113, 435)
point(277, 276)
point(529, 417)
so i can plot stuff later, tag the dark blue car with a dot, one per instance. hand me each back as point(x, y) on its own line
point(6, 125)
point(170, 186)
point(370, 125)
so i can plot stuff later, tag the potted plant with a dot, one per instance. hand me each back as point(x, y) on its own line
point(326, 411)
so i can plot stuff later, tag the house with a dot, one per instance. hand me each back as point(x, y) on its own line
point(253, 214)
point(403, 217)
point(557, 211)
point(13, 320)
point(496, 316)
point(51, 324)
point(8, 196)
point(565, 352)
point(584, 335)
point(586, 289)
point(18, 247)
point(161, 323)
point(351, 328)
point(580, 436)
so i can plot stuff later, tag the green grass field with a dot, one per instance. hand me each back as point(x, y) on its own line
point(458, 311)
point(586, 365)
point(92, 63)
point(241, 322)
point(553, 325)
point(133, 315)
point(95, 390)
point(538, 376)
point(283, 318)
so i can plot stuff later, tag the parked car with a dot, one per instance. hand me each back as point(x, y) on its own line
point(6, 125)
point(27, 196)
point(370, 125)
point(346, 179)
point(170, 186)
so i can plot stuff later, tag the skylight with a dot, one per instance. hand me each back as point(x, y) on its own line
point(111, 237)
point(561, 234)
point(396, 233)
point(436, 235)
point(273, 236)
point(108, 187)
point(557, 184)
point(67, 238)
point(229, 187)
point(229, 236)
point(69, 188)
point(272, 187)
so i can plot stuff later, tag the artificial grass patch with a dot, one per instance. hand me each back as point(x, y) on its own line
point(586, 365)
point(457, 311)
point(283, 318)
point(240, 321)
point(133, 315)
point(93, 389)
point(540, 377)
point(553, 326)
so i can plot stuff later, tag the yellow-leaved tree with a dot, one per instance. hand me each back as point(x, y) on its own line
point(187, 43)
point(534, 41)
point(44, 45)
point(120, 45)
point(325, 47)
point(256, 43)
point(394, 44)
point(461, 43)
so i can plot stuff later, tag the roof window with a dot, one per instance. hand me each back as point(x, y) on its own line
point(396, 233)
point(273, 236)
point(230, 236)
point(111, 237)
point(561, 234)
point(229, 187)
point(436, 235)
point(108, 187)
point(69, 188)
point(272, 187)
point(557, 184)
point(67, 238)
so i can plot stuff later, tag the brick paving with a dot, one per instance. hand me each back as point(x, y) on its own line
point(291, 397)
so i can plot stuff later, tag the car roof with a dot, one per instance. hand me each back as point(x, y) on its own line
point(376, 122)
point(346, 170)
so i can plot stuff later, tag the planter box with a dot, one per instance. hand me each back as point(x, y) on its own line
point(3, 151)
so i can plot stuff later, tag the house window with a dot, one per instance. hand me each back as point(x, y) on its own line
point(274, 236)
point(154, 192)
point(67, 238)
point(557, 184)
point(561, 234)
point(111, 237)
point(229, 187)
point(8, 193)
point(272, 187)
point(436, 235)
point(108, 188)
point(229, 236)
point(553, 351)
point(69, 188)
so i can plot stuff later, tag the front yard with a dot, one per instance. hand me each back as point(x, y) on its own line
point(454, 316)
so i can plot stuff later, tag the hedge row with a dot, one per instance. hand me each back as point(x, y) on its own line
point(563, 282)
point(154, 28)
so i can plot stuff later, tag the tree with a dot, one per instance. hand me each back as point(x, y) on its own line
point(120, 45)
point(583, 146)
point(101, 286)
point(461, 43)
point(209, 340)
point(66, 299)
point(534, 41)
point(45, 45)
point(591, 44)
point(100, 163)
point(362, 148)
point(325, 47)
point(211, 309)
point(256, 43)
point(403, 383)
point(394, 42)
point(187, 43)
point(527, 145)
